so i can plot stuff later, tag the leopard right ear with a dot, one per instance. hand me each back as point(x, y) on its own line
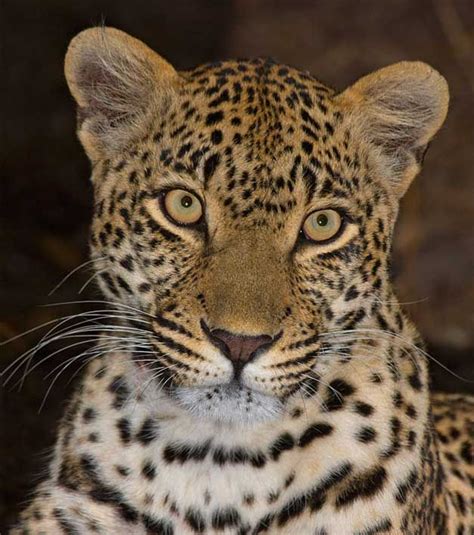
point(117, 82)
point(398, 110)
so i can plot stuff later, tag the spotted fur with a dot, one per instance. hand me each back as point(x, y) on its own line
point(328, 430)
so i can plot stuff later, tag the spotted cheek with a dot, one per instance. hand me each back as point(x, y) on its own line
point(214, 369)
point(266, 376)
point(191, 364)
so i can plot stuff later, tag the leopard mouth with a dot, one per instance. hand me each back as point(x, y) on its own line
point(230, 403)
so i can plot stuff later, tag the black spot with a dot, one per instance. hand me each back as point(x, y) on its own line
point(466, 452)
point(127, 263)
point(376, 378)
point(149, 470)
point(66, 526)
point(89, 414)
point(314, 431)
point(157, 526)
point(415, 381)
point(216, 137)
point(411, 439)
point(310, 182)
point(404, 488)
point(316, 498)
point(248, 499)
point(185, 452)
point(118, 387)
point(283, 443)
point(362, 408)
point(210, 166)
point(362, 486)
point(329, 128)
point(147, 432)
point(381, 527)
point(195, 520)
point(337, 391)
point(293, 508)
point(397, 400)
point(214, 118)
point(263, 524)
point(366, 434)
point(124, 285)
point(225, 518)
point(123, 426)
point(122, 470)
point(184, 149)
point(307, 147)
point(105, 494)
point(223, 456)
point(352, 293)
point(289, 480)
point(144, 287)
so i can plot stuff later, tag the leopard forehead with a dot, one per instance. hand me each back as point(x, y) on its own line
point(262, 143)
point(263, 138)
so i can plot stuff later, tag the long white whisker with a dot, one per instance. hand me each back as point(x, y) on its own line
point(98, 301)
point(75, 270)
point(90, 279)
point(393, 336)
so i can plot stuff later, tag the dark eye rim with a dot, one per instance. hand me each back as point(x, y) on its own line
point(345, 219)
point(161, 200)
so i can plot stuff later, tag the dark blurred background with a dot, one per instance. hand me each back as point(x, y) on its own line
point(46, 198)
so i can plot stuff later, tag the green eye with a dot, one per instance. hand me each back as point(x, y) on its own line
point(322, 225)
point(183, 207)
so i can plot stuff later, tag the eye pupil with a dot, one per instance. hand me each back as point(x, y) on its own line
point(186, 201)
point(322, 220)
point(322, 225)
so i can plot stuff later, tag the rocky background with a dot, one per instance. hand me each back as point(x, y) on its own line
point(46, 199)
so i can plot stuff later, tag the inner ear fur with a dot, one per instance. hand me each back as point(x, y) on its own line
point(398, 109)
point(117, 81)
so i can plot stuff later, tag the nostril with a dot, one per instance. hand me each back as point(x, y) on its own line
point(237, 347)
point(241, 347)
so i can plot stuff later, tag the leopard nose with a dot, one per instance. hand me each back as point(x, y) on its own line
point(238, 348)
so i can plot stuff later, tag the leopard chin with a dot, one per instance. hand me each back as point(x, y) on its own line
point(230, 403)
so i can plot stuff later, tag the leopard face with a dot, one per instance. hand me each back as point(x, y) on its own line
point(244, 214)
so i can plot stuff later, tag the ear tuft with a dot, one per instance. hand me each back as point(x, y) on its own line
point(116, 80)
point(399, 109)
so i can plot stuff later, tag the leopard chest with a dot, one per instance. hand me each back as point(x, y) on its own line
point(313, 469)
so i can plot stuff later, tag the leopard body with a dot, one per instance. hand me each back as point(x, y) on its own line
point(332, 429)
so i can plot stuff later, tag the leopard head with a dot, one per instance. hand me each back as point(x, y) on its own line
point(246, 210)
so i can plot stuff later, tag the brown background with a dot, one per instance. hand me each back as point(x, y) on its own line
point(46, 199)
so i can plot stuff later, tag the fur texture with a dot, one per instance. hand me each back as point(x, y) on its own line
point(330, 429)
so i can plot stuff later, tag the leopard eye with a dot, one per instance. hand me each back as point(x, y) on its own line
point(182, 207)
point(322, 225)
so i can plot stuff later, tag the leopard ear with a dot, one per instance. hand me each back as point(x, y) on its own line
point(398, 109)
point(117, 82)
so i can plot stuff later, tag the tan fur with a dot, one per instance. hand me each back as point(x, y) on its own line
point(330, 428)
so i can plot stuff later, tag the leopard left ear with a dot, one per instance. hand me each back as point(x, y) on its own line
point(117, 82)
point(398, 109)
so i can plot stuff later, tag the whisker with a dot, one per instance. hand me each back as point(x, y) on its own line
point(90, 279)
point(75, 270)
point(98, 301)
point(366, 332)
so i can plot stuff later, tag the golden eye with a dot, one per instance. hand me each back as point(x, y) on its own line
point(322, 225)
point(183, 207)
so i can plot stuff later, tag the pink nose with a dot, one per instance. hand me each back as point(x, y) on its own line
point(240, 348)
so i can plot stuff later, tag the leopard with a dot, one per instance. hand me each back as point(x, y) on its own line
point(254, 371)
